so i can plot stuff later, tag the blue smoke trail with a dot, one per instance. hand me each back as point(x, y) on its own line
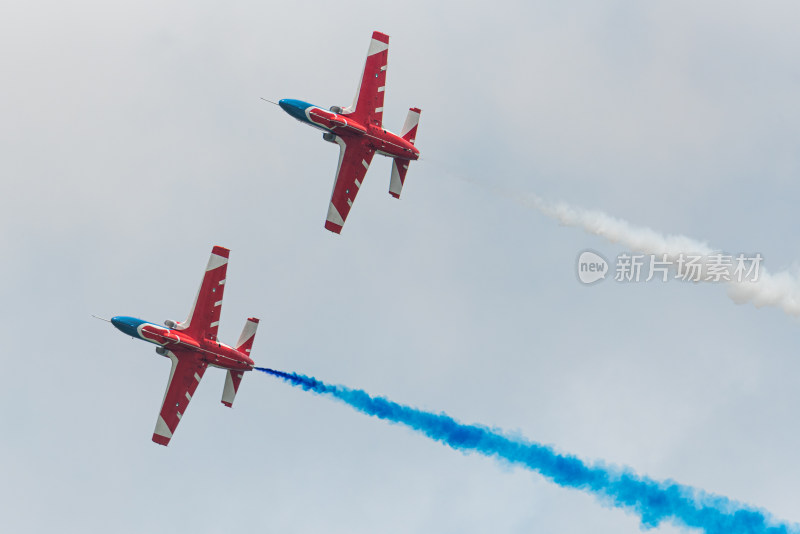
point(651, 500)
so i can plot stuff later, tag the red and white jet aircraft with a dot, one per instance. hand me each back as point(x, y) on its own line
point(192, 346)
point(359, 132)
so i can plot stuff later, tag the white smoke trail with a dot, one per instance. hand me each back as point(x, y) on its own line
point(642, 240)
point(781, 290)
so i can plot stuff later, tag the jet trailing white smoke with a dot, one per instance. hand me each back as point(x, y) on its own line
point(781, 290)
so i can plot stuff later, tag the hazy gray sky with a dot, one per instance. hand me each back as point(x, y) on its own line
point(133, 139)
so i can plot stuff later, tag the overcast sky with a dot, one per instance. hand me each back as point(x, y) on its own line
point(133, 139)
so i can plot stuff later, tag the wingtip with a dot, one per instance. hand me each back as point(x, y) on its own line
point(333, 227)
point(161, 440)
point(221, 251)
point(382, 37)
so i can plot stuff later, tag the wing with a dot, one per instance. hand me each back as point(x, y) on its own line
point(367, 106)
point(203, 321)
point(187, 370)
point(355, 156)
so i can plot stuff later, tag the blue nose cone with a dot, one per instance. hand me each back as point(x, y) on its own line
point(295, 108)
point(128, 325)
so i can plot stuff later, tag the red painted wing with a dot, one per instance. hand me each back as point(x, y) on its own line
point(367, 106)
point(355, 156)
point(187, 370)
point(203, 321)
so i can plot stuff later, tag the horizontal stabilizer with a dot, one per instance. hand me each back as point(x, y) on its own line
point(399, 170)
point(245, 342)
point(409, 131)
point(400, 165)
point(244, 345)
point(232, 381)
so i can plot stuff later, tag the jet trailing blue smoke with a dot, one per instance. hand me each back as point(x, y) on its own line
point(651, 500)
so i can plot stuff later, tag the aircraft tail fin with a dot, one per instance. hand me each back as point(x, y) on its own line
point(409, 131)
point(399, 170)
point(234, 378)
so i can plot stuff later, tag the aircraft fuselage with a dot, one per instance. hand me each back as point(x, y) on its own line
point(381, 140)
point(209, 351)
